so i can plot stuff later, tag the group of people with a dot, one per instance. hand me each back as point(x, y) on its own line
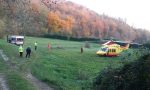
point(28, 50)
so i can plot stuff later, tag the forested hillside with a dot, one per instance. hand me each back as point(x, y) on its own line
point(59, 17)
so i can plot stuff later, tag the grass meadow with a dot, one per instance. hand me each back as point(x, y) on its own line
point(63, 67)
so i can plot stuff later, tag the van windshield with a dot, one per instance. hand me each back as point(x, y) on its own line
point(19, 39)
point(13, 39)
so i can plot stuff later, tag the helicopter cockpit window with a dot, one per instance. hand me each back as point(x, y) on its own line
point(104, 49)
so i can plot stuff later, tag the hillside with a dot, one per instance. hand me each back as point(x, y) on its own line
point(39, 17)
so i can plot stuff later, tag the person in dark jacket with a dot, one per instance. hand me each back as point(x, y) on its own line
point(28, 52)
point(81, 49)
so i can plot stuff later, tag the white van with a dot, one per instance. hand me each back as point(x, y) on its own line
point(18, 40)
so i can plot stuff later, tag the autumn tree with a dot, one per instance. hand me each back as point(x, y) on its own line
point(54, 22)
point(2, 20)
point(24, 16)
point(51, 4)
point(84, 27)
point(69, 25)
point(60, 25)
point(2, 28)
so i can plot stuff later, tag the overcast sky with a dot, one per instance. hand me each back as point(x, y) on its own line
point(136, 12)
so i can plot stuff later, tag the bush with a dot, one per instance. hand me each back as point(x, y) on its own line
point(132, 76)
point(147, 45)
point(71, 38)
point(87, 44)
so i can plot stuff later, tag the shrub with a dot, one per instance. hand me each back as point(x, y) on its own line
point(132, 76)
point(87, 45)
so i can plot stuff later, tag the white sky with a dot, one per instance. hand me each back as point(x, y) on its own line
point(135, 12)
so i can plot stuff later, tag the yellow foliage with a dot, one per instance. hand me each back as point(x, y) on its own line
point(57, 24)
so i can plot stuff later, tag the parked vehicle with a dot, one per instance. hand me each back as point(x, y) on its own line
point(15, 39)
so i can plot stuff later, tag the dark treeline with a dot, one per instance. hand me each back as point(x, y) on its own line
point(71, 38)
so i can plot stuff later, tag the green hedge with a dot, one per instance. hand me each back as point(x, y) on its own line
point(132, 76)
point(71, 38)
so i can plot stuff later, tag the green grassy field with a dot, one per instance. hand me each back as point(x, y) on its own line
point(63, 67)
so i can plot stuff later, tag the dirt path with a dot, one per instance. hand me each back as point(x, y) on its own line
point(37, 83)
point(5, 58)
point(3, 84)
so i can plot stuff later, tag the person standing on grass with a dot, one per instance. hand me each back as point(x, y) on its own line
point(28, 52)
point(21, 51)
point(49, 46)
point(35, 45)
point(81, 49)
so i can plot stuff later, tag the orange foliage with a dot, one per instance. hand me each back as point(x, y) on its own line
point(83, 22)
point(54, 22)
point(57, 24)
point(69, 24)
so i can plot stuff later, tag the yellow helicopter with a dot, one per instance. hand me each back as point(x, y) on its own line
point(111, 49)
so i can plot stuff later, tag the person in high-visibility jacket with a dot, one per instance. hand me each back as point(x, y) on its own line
point(35, 45)
point(21, 50)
